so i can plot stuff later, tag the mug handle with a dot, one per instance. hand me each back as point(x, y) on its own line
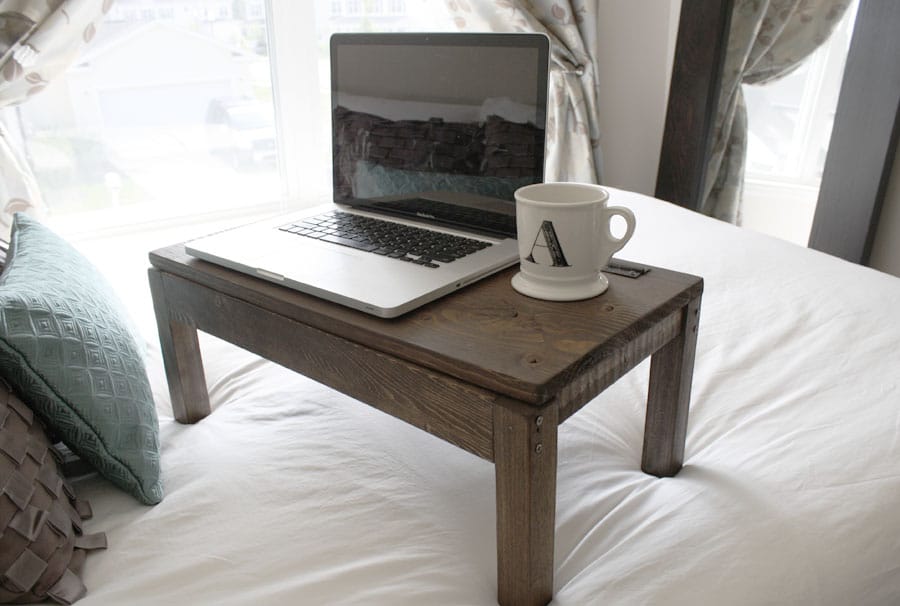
point(630, 221)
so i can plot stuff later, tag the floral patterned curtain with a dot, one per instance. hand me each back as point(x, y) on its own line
point(573, 136)
point(768, 40)
point(38, 41)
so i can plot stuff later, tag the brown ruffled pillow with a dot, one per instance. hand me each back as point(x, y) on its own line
point(42, 546)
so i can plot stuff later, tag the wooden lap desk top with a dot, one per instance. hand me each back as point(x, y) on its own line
point(486, 369)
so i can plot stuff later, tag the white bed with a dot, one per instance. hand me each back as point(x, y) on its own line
point(289, 493)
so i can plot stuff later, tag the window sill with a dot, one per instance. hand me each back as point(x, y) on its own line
point(780, 209)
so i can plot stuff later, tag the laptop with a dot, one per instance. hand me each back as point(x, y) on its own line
point(431, 136)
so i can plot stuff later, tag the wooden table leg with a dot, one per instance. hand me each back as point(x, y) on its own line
point(669, 396)
point(181, 358)
point(525, 467)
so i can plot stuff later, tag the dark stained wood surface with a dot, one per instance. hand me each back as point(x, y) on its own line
point(182, 357)
point(525, 470)
point(669, 395)
point(694, 92)
point(430, 400)
point(486, 334)
point(487, 369)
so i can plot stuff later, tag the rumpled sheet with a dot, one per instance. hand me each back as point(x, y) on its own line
point(290, 493)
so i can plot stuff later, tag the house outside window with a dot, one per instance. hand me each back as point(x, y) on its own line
point(256, 9)
point(180, 119)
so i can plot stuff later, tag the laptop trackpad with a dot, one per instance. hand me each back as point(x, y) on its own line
point(349, 275)
point(311, 265)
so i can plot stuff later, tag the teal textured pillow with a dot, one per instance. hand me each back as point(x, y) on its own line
point(68, 351)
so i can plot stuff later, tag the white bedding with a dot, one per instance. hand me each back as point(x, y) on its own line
point(290, 493)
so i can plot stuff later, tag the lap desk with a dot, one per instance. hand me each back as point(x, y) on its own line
point(487, 369)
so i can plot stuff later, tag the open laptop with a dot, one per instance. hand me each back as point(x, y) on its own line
point(430, 133)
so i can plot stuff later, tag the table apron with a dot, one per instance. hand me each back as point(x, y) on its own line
point(596, 378)
point(448, 408)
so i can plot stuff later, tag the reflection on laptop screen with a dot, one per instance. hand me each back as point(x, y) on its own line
point(425, 115)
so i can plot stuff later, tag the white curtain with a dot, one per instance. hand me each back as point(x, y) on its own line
point(768, 40)
point(39, 39)
point(573, 136)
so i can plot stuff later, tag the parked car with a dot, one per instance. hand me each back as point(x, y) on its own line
point(241, 131)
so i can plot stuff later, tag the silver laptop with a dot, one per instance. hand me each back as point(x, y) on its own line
point(431, 136)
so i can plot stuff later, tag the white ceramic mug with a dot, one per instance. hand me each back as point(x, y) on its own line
point(565, 240)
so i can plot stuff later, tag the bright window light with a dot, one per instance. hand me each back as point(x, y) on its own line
point(191, 111)
point(789, 130)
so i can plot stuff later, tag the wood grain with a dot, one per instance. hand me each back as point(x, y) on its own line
point(487, 369)
point(181, 357)
point(525, 459)
point(694, 92)
point(486, 334)
point(594, 379)
point(443, 406)
point(669, 396)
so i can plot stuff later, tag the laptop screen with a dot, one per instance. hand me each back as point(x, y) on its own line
point(436, 115)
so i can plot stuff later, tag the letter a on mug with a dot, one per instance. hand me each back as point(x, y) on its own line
point(551, 243)
point(577, 215)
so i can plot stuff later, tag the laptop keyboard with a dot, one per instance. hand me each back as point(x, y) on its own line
point(413, 244)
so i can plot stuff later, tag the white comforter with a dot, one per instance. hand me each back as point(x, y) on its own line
point(290, 493)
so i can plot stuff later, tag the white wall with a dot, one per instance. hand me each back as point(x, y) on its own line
point(636, 42)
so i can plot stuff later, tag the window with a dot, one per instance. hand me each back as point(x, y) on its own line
point(256, 9)
point(789, 123)
point(213, 108)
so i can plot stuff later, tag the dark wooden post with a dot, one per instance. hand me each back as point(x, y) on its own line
point(693, 100)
